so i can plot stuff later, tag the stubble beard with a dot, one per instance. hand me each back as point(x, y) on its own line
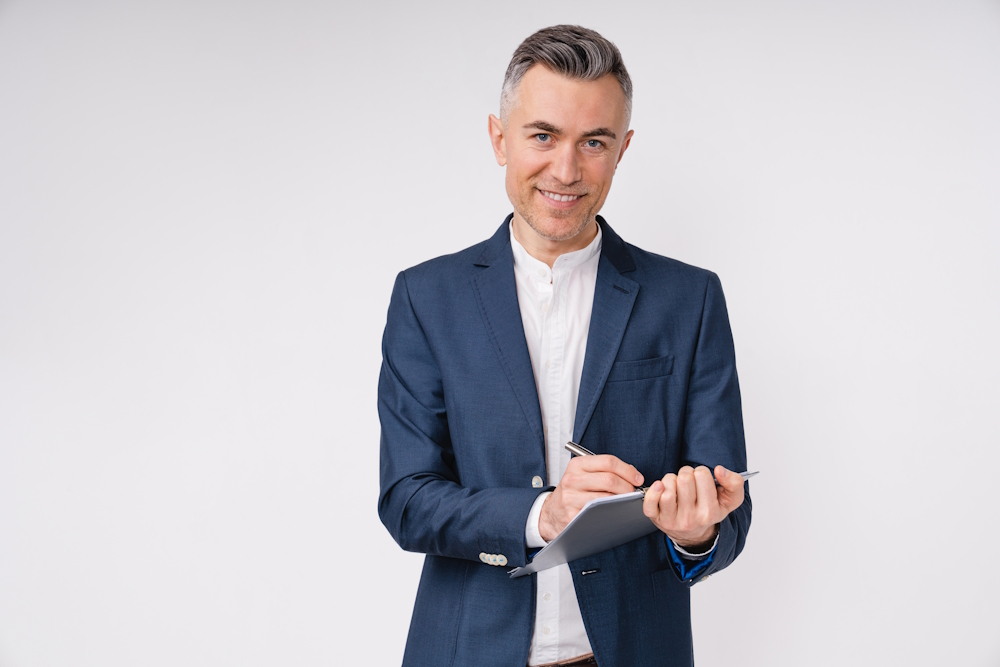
point(532, 219)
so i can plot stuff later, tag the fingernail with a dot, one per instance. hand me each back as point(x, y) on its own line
point(638, 479)
point(657, 486)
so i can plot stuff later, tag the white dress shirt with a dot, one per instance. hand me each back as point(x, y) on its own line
point(555, 307)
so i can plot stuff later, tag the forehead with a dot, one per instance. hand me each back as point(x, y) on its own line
point(574, 104)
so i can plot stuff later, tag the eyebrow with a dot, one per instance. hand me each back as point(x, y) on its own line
point(543, 126)
point(552, 129)
point(600, 132)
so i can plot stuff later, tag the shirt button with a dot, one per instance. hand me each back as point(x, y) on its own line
point(545, 630)
point(547, 597)
point(541, 273)
point(536, 482)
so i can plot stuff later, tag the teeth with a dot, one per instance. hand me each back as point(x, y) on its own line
point(553, 196)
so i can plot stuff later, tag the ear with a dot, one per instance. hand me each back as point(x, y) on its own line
point(628, 140)
point(498, 140)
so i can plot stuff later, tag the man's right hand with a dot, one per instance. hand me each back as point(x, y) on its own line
point(586, 478)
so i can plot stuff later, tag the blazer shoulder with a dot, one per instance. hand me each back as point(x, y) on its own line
point(443, 271)
point(658, 269)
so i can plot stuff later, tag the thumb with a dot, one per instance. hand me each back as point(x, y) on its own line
point(732, 484)
point(729, 480)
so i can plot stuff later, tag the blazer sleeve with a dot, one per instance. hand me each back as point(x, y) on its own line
point(713, 432)
point(422, 501)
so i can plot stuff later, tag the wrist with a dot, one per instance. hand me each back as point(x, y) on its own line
point(698, 543)
point(532, 538)
point(546, 528)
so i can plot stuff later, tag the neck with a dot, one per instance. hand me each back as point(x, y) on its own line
point(547, 250)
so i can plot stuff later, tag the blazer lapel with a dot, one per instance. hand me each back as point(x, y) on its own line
point(614, 296)
point(496, 294)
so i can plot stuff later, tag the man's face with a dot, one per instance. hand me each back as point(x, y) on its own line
point(561, 144)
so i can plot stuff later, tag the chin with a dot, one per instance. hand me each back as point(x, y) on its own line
point(557, 229)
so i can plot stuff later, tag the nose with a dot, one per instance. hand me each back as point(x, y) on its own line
point(566, 164)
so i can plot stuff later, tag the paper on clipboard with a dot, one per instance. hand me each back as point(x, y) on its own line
point(603, 523)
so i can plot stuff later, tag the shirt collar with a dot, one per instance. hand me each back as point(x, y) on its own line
point(567, 261)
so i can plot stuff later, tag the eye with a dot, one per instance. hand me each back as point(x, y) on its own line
point(594, 143)
point(542, 137)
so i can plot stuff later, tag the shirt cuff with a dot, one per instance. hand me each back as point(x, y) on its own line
point(684, 552)
point(532, 536)
point(689, 566)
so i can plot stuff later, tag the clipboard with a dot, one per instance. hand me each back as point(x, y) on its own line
point(603, 523)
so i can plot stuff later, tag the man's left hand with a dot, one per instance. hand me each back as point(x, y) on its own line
point(688, 506)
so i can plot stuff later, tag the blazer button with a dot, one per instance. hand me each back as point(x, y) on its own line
point(501, 560)
point(536, 482)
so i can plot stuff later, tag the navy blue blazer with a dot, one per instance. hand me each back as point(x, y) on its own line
point(462, 440)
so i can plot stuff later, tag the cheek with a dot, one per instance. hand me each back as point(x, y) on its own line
point(511, 179)
point(602, 175)
point(518, 185)
point(523, 167)
point(514, 185)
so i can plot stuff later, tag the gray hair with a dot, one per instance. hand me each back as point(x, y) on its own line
point(569, 50)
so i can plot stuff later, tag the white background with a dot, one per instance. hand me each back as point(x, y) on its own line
point(202, 210)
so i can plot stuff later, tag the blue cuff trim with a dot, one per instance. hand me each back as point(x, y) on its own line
point(688, 569)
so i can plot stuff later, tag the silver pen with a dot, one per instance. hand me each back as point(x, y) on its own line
point(577, 450)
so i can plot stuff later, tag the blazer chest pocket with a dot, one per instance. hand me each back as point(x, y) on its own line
point(642, 369)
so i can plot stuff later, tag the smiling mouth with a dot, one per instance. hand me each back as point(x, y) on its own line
point(555, 196)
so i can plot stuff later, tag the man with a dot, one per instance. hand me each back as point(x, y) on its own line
point(556, 329)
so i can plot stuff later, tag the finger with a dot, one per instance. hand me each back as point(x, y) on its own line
point(612, 464)
point(668, 501)
point(600, 482)
point(651, 501)
point(571, 501)
point(687, 493)
point(707, 501)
